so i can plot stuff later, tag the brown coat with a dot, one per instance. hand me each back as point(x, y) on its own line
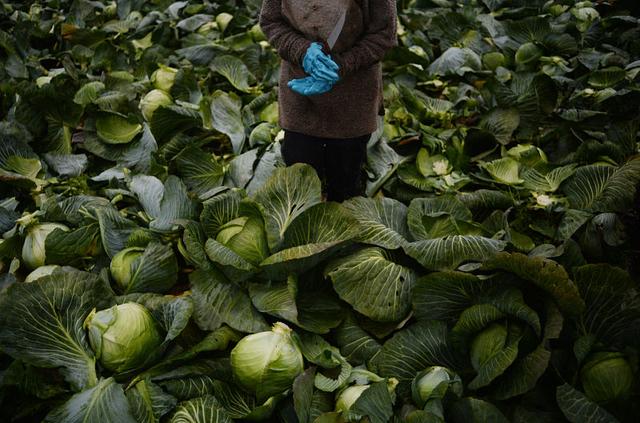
point(350, 108)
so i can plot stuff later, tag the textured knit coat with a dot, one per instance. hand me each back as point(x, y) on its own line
point(350, 109)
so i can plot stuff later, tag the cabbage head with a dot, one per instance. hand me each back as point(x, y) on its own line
point(433, 385)
point(124, 337)
point(349, 395)
point(606, 376)
point(246, 237)
point(528, 53)
point(493, 60)
point(152, 101)
point(121, 266)
point(33, 249)
point(267, 363)
point(164, 77)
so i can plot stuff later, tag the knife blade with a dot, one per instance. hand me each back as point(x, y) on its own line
point(335, 32)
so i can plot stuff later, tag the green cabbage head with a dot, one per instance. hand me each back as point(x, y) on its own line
point(434, 383)
point(348, 396)
point(152, 101)
point(246, 237)
point(121, 266)
point(606, 376)
point(164, 77)
point(493, 60)
point(528, 53)
point(266, 363)
point(33, 249)
point(123, 337)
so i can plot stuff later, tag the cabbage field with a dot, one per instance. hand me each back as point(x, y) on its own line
point(160, 263)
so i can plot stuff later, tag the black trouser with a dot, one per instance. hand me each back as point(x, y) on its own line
point(338, 162)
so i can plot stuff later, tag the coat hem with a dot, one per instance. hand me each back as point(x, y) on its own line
point(325, 134)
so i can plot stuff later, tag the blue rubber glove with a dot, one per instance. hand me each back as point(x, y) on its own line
point(310, 86)
point(320, 65)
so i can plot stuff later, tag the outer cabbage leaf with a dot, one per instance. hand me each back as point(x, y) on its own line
point(115, 129)
point(221, 209)
point(105, 402)
point(218, 300)
point(155, 271)
point(149, 402)
point(115, 230)
point(226, 117)
point(205, 409)
point(544, 273)
point(473, 410)
point(427, 216)
point(356, 344)
point(373, 284)
point(201, 171)
point(414, 349)
point(285, 196)
point(41, 323)
point(381, 222)
point(233, 69)
point(612, 311)
point(451, 251)
point(604, 188)
point(164, 203)
point(577, 408)
point(312, 237)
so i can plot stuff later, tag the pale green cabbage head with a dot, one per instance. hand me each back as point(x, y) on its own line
point(152, 101)
point(606, 376)
point(493, 60)
point(121, 266)
point(435, 383)
point(267, 363)
point(246, 237)
point(123, 337)
point(164, 77)
point(349, 396)
point(528, 53)
point(33, 249)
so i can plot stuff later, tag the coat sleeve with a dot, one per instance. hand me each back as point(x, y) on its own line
point(290, 44)
point(379, 37)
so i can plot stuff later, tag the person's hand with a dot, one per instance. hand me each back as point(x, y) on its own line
point(310, 86)
point(320, 65)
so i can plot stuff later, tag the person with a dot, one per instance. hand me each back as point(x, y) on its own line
point(329, 97)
